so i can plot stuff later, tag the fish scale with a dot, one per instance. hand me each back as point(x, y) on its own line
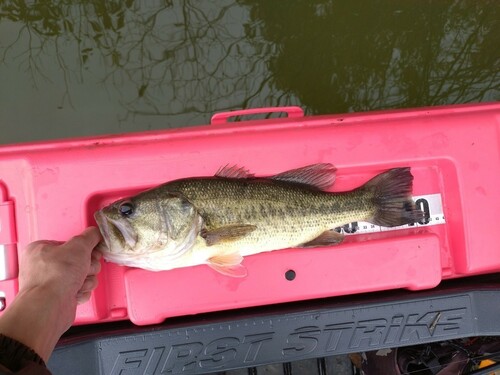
point(277, 209)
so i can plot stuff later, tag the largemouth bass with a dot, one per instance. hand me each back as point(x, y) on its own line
point(219, 220)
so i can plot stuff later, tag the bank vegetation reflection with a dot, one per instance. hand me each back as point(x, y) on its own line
point(327, 56)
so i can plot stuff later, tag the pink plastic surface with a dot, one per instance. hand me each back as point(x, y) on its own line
point(7, 219)
point(454, 151)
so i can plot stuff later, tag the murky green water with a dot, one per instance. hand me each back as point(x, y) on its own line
point(71, 68)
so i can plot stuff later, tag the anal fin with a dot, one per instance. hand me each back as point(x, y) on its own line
point(327, 238)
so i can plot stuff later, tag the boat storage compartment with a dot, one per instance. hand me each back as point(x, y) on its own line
point(50, 190)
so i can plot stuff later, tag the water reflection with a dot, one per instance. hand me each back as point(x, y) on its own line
point(120, 66)
point(91, 67)
point(352, 56)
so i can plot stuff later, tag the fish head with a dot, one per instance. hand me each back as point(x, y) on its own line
point(133, 228)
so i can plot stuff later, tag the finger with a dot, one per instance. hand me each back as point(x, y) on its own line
point(40, 243)
point(89, 284)
point(95, 267)
point(87, 240)
point(49, 242)
point(83, 297)
point(96, 255)
point(101, 247)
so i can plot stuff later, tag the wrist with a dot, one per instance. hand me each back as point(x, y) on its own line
point(37, 318)
point(14, 355)
point(50, 303)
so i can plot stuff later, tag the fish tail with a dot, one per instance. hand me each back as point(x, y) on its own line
point(391, 196)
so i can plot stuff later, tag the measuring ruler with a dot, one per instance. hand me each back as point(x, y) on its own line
point(430, 204)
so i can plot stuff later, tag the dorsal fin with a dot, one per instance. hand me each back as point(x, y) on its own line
point(233, 171)
point(320, 176)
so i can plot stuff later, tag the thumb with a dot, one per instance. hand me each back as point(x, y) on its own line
point(86, 241)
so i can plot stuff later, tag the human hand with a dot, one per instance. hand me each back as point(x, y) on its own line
point(67, 270)
point(53, 278)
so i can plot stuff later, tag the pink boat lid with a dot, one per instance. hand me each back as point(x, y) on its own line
point(50, 190)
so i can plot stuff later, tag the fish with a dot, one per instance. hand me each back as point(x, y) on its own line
point(221, 219)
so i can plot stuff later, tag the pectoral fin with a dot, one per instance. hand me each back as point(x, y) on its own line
point(228, 264)
point(328, 238)
point(226, 233)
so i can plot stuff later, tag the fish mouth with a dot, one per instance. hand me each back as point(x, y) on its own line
point(111, 228)
point(103, 225)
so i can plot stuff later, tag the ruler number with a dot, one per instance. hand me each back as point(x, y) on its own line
point(348, 228)
point(420, 203)
point(351, 227)
point(423, 205)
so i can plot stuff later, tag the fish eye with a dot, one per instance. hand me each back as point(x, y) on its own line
point(126, 208)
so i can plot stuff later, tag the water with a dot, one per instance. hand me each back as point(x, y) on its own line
point(73, 68)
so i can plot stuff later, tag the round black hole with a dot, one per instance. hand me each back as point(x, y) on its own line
point(290, 275)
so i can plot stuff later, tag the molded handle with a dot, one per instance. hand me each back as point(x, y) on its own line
point(221, 118)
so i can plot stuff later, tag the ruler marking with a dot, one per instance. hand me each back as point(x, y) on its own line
point(431, 204)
